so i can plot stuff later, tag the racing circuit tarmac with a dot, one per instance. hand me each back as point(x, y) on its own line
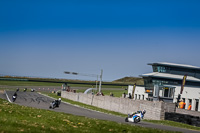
point(34, 99)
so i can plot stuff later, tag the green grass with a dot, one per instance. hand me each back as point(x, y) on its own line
point(175, 124)
point(162, 122)
point(27, 83)
point(16, 118)
point(137, 80)
point(94, 86)
point(30, 83)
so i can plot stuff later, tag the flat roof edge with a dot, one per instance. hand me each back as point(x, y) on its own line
point(175, 65)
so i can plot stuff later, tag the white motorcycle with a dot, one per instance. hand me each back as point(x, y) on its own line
point(135, 117)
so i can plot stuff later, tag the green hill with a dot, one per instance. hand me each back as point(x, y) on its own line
point(131, 80)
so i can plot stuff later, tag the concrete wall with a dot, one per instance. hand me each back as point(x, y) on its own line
point(190, 112)
point(122, 105)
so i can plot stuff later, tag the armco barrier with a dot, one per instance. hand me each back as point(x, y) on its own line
point(154, 109)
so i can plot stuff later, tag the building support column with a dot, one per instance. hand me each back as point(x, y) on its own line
point(193, 104)
point(186, 103)
point(199, 105)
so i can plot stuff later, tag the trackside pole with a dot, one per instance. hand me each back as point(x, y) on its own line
point(100, 80)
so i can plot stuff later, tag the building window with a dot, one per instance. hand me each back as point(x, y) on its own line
point(142, 97)
point(155, 69)
point(163, 82)
point(197, 104)
point(183, 99)
point(139, 97)
point(161, 91)
point(190, 101)
point(162, 69)
point(166, 92)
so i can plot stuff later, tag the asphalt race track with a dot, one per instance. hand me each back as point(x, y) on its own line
point(34, 99)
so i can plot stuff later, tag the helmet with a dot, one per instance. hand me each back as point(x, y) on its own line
point(143, 112)
point(59, 99)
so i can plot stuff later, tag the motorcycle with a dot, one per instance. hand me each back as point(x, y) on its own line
point(14, 97)
point(52, 105)
point(55, 104)
point(25, 89)
point(135, 117)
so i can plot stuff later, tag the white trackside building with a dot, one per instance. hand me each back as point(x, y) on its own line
point(165, 82)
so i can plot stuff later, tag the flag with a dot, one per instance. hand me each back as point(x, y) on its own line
point(133, 90)
point(183, 83)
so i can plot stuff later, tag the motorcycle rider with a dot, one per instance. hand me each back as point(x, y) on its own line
point(58, 102)
point(25, 89)
point(142, 112)
point(135, 116)
point(14, 97)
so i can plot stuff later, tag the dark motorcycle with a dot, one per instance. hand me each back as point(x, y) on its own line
point(55, 104)
point(14, 97)
point(52, 105)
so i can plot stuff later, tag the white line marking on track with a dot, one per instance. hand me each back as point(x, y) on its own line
point(7, 97)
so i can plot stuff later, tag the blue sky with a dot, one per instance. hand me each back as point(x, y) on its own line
point(46, 38)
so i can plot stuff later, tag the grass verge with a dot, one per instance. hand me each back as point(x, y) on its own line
point(16, 118)
point(173, 123)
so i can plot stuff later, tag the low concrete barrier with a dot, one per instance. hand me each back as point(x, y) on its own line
point(122, 105)
point(190, 112)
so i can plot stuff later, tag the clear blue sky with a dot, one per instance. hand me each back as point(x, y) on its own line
point(46, 38)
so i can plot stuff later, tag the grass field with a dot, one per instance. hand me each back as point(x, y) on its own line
point(116, 93)
point(30, 83)
point(15, 118)
point(27, 83)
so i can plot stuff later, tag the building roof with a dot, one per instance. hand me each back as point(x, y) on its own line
point(175, 65)
point(170, 76)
